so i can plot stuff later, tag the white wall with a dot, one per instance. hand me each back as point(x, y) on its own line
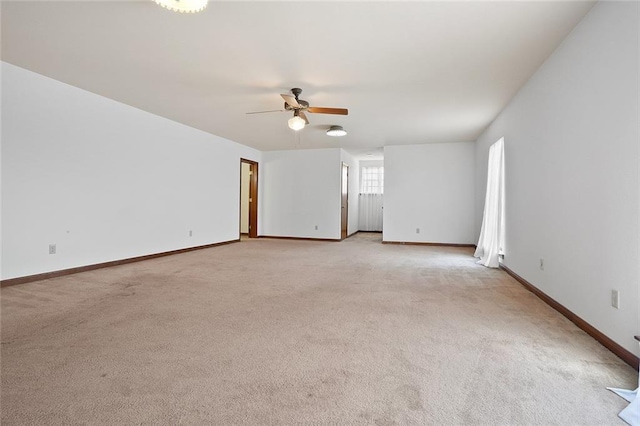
point(105, 181)
point(430, 187)
point(300, 190)
point(572, 172)
point(354, 189)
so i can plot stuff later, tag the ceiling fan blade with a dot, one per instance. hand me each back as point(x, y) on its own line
point(322, 110)
point(262, 112)
point(304, 117)
point(291, 100)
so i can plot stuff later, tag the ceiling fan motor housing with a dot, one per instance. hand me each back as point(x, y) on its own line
point(303, 104)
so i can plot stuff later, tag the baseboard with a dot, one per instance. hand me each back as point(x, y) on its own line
point(78, 269)
point(411, 243)
point(605, 341)
point(352, 234)
point(300, 238)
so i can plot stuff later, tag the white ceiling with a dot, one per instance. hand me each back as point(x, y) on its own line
point(409, 72)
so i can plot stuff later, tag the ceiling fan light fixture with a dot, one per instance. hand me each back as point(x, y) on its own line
point(183, 6)
point(336, 131)
point(296, 123)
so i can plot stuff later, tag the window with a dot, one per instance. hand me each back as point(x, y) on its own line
point(372, 180)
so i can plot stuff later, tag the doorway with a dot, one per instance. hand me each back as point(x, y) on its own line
point(248, 198)
point(345, 202)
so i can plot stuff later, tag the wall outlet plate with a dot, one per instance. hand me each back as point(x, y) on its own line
point(52, 249)
point(615, 299)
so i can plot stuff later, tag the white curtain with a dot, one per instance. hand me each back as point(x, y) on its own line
point(491, 242)
point(370, 212)
point(631, 414)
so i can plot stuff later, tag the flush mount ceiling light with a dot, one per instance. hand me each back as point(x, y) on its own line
point(183, 6)
point(336, 131)
point(296, 122)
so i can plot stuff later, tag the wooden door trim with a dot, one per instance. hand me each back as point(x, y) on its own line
point(253, 195)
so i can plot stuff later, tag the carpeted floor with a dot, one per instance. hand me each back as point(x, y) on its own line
point(296, 332)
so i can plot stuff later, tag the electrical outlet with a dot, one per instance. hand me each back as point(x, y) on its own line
point(316, 227)
point(615, 299)
point(191, 233)
point(417, 230)
point(542, 264)
point(52, 249)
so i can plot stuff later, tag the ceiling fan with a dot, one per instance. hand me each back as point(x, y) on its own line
point(292, 102)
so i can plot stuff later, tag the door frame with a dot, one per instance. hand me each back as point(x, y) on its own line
point(344, 217)
point(253, 198)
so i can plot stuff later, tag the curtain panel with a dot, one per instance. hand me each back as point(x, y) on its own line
point(491, 242)
point(370, 215)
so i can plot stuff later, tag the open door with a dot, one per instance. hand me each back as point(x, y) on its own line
point(249, 198)
point(345, 201)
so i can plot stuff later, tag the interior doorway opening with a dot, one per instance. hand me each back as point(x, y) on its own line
point(344, 218)
point(248, 198)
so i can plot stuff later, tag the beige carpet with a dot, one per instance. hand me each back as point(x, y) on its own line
point(296, 332)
